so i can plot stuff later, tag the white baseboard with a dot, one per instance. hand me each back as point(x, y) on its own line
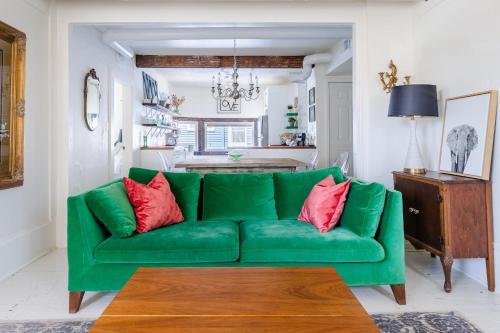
point(476, 268)
point(24, 248)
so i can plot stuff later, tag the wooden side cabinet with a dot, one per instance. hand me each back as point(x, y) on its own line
point(450, 217)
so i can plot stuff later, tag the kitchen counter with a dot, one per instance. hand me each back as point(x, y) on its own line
point(159, 148)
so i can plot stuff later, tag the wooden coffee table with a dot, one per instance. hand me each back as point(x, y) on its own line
point(243, 299)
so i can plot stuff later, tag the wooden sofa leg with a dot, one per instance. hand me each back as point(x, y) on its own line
point(75, 300)
point(399, 293)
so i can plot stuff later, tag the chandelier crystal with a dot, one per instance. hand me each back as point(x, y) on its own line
point(235, 92)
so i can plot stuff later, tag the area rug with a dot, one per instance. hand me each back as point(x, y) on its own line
point(408, 322)
point(423, 322)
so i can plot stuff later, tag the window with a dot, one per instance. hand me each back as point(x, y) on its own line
point(225, 135)
point(188, 134)
point(213, 136)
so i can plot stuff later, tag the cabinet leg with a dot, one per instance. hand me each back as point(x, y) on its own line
point(447, 262)
point(490, 273)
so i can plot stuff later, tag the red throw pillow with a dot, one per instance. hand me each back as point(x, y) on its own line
point(154, 204)
point(325, 203)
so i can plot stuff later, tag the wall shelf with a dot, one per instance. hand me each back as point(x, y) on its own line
point(157, 130)
point(292, 127)
point(161, 109)
point(160, 126)
point(292, 114)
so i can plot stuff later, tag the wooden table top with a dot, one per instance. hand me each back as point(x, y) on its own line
point(243, 299)
point(244, 162)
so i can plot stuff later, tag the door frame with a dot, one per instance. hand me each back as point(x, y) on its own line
point(127, 120)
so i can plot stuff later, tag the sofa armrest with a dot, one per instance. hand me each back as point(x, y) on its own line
point(391, 233)
point(84, 234)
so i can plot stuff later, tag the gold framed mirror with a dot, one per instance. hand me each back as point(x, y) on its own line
point(12, 80)
point(91, 99)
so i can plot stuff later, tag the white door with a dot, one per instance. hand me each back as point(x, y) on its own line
point(119, 133)
point(340, 109)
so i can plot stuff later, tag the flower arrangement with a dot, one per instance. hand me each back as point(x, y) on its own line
point(176, 101)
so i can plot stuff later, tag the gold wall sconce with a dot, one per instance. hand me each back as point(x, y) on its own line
point(390, 79)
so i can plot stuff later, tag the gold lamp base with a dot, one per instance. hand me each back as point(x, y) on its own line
point(415, 171)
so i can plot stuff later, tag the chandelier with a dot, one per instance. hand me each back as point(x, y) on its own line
point(235, 92)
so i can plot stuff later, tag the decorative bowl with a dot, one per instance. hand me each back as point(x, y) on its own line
point(235, 155)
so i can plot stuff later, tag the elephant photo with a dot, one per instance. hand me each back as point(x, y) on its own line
point(461, 140)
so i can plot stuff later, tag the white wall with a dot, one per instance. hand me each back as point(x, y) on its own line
point(200, 103)
point(89, 154)
point(457, 48)
point(381, 31)
point(278, 99)
point(26, 224)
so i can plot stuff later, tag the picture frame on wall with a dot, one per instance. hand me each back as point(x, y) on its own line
point(12, 105)
point(312, 113)
point(229, 105)
point(468, 134)
point(150, 88)
point(312, 96)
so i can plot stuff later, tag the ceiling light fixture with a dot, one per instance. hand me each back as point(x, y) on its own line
point(235, 92)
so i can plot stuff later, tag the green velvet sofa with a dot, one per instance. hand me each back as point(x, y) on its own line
point(243, 220)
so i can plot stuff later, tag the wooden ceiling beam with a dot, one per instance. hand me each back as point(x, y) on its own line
point(157, 61)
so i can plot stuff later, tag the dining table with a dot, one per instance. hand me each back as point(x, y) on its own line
point(243, 165)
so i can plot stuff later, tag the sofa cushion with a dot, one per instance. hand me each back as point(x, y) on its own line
point(154, 203)
point(111, 206)
point(185, 186)
point(296, 241)
point(188, 242)
point(363, 208)
point(292, 189)
point(238, 197)
point(324, 205)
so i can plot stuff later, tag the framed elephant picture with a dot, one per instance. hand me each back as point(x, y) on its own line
point(468, 134)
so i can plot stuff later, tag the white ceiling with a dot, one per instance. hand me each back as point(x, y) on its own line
point(218, 47)
point(217, 39)
point(205, 39)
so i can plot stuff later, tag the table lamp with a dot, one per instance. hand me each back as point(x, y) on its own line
point(414, 101)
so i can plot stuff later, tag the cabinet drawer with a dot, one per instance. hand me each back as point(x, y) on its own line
point(422, 211)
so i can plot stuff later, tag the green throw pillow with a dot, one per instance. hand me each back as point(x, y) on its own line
point(292, 189)
point(111, 206)
point(185, 187)
point(363, 208)
point(238, 197)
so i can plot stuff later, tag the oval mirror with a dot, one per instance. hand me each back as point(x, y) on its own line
point(91, 98)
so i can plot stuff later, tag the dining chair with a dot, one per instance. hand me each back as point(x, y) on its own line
point(342, 161)
point(313, 162)
point(166, 165)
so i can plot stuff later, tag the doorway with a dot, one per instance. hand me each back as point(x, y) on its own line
point(340, 122)
point(120, 132)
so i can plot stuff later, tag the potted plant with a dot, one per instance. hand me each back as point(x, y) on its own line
point(176, 102)
point(292, 121)
point(290, 107)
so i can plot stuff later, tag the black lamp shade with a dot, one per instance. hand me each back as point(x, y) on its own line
point(414, 100)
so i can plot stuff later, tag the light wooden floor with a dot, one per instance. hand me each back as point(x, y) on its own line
point(39, 292)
